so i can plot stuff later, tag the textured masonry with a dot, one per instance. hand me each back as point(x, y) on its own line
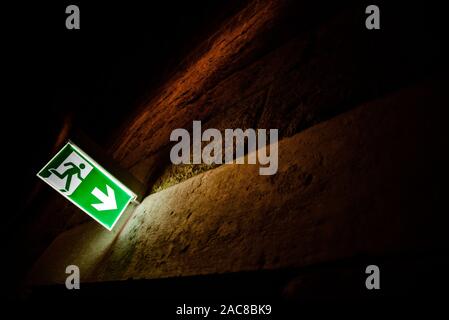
point(318, 208)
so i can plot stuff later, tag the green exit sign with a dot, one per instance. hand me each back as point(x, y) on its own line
point(86, 184)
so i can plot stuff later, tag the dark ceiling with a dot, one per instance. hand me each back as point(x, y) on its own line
point(98, 74)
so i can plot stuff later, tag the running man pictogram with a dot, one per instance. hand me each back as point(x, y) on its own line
point(69, 173)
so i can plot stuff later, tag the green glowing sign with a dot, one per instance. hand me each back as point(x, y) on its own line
point(86, 184)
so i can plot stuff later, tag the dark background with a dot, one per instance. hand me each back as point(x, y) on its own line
point(98, 75)
point(93, 79)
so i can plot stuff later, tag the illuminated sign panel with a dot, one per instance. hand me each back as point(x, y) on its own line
point(86, 184)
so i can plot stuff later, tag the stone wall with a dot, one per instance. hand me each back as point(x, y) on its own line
point(358, 184)
point(276, 64)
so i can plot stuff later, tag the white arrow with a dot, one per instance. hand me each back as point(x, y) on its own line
point(107, 200)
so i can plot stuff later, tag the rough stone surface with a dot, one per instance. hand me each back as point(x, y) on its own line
point(270, 66)
point(319, 207)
